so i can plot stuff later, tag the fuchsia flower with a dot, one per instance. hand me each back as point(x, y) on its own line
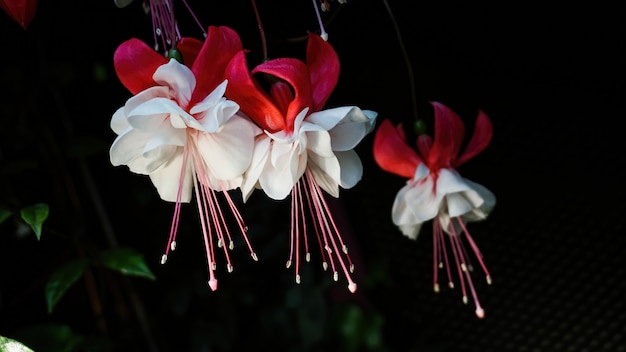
point(436, 191)
point(182, 132)
point(303, 148)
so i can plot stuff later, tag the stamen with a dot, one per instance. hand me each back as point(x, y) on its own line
point(323, 33)
point(325, 228)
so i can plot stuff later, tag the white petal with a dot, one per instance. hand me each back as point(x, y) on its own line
point(489, 201)
point(153, 159)
point(347, 125)
point(216, 115)
point(449, 181)
point(277, 182)
point(168, 182)
point(415, 203)
point(351, 168)
point(227, 153)
point(179, 78)
point(119, 121)
point(127, 147)
point(329, 118)
point(317, 140)
point(260, 158)
point(326, 172)
point(411, 231)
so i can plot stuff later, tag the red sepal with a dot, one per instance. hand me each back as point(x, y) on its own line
point(392, 153)
point(135, 63)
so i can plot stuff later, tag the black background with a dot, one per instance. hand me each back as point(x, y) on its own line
point(550, 78)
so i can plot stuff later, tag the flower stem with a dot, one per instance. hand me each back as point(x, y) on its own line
point(261, 30)
point(407, 62)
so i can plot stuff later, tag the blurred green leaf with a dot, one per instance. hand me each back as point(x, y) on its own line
point(62, 279)
point(35, 215)
point(9, 345)
point(50, 338)
point(127, 261)
point(4, 214)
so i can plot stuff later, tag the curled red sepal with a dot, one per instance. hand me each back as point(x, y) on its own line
point(295, 73)
point(392, 153)
point(483, 131)
point(221, 44)
point(323, 65)
point(251, 98)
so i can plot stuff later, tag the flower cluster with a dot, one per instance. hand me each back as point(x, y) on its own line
point(436, 191)
point(207, 126)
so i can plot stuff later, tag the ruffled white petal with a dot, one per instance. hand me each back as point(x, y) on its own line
point(351, 168)
point(327, 172)
point(179, 78)
point(167, 179)
point(227, 154)
point(347, 125)
point(260, 158)
point(119, 121)
point(445, 195)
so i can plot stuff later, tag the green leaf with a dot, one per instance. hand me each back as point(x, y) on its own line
point(127, 261)
point(4, 214)
point(62, 279)
point(9, 345)
point(50, 338)
point(34, 216)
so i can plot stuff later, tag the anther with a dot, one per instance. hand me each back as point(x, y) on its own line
point(213, 266)
point(336, 276)
point(325, 266)
point(330, 251)
point(352, 287)
point(489, 281)
point(163, 258)
point(231, 245)
point(297, 278)
point(440, 265)
point(465, 300)
point(308, 257)
point(157, 31)
point(345, 249)
point(463, 267)
point(229, 268)
point(219, 243)
point(436, 287)
point(351, 268)
point(253, 255)
point(173, 245)
point(451, 284)
point(480, 313)
point(288, 265)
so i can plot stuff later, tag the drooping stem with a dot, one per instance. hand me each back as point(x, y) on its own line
point(407, 62)
point(261, 30)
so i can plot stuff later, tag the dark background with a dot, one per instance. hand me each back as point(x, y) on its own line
point(551, 79)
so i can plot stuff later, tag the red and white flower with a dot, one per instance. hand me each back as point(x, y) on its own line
point(436, 191)
point(303, 148)
point(181, 131)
